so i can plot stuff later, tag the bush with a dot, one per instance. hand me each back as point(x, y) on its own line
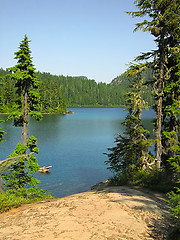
point(174, 205)
point(118, 179)
point(15, 198)
point(8, 201)
point(155, 179)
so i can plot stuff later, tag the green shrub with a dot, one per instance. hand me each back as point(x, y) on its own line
point(174, 205)
point(118, 179)
point(155, 179)
point(8, 201)
point(15, 198)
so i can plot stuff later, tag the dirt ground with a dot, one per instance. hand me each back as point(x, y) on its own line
point(104, 213)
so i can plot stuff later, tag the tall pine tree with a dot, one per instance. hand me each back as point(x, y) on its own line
point(171, 98)
point(131, 150)
point(163, 24)
point(24, 164)
point(27, 88)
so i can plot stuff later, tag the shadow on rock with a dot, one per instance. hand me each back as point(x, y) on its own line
point(145, 201)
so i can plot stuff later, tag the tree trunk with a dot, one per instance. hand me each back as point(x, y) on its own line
point(25, 120)
point(1, 184)
point(160, 91)
point(158, 132)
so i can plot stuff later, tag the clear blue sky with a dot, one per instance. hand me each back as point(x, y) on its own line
point(92, 38)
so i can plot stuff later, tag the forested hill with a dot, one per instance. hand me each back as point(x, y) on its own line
point(59, 92)
point(80, 91)
point(124, 81)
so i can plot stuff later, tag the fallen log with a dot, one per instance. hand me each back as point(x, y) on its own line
point(44, 169)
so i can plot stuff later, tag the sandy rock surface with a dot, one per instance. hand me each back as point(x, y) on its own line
point(112, 213)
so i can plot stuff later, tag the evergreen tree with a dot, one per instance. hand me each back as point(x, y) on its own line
point(1, 140)
point(20, 167)
point(24, 164)
point(154, 26)
point(164, 26)
point(171, 98)
point(58, 92)
point(164, 16)
point(131, 150)
point(26, 83)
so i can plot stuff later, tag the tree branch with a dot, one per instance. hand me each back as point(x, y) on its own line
point(12, 158)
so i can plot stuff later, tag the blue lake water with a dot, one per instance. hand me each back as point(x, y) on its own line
point(73, 145)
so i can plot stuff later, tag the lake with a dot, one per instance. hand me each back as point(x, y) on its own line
point(73, 144)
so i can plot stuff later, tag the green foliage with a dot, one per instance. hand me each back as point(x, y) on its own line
point(32, 144)
point(163, 23)
point(20, 172)
point(19, 184)
point(17, 117)
point(174, 201)
point(131, 150)
point(1, 133)
point(119, 179)
point(26, 84)
point(155, 179)
point(147, 91)
point(77, 91)
point(15, 198)
point(8, 201)
point(8, 94)
point(57, 92)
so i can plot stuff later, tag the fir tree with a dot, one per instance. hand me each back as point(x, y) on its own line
point(131, 150)
point(26, 83)
point(22, 163)
point(1, 140)
point(171, 98)
point(21, 166)
point(163, 24)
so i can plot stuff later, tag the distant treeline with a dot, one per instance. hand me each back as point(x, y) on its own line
point(80, 91)
point(59, 92)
